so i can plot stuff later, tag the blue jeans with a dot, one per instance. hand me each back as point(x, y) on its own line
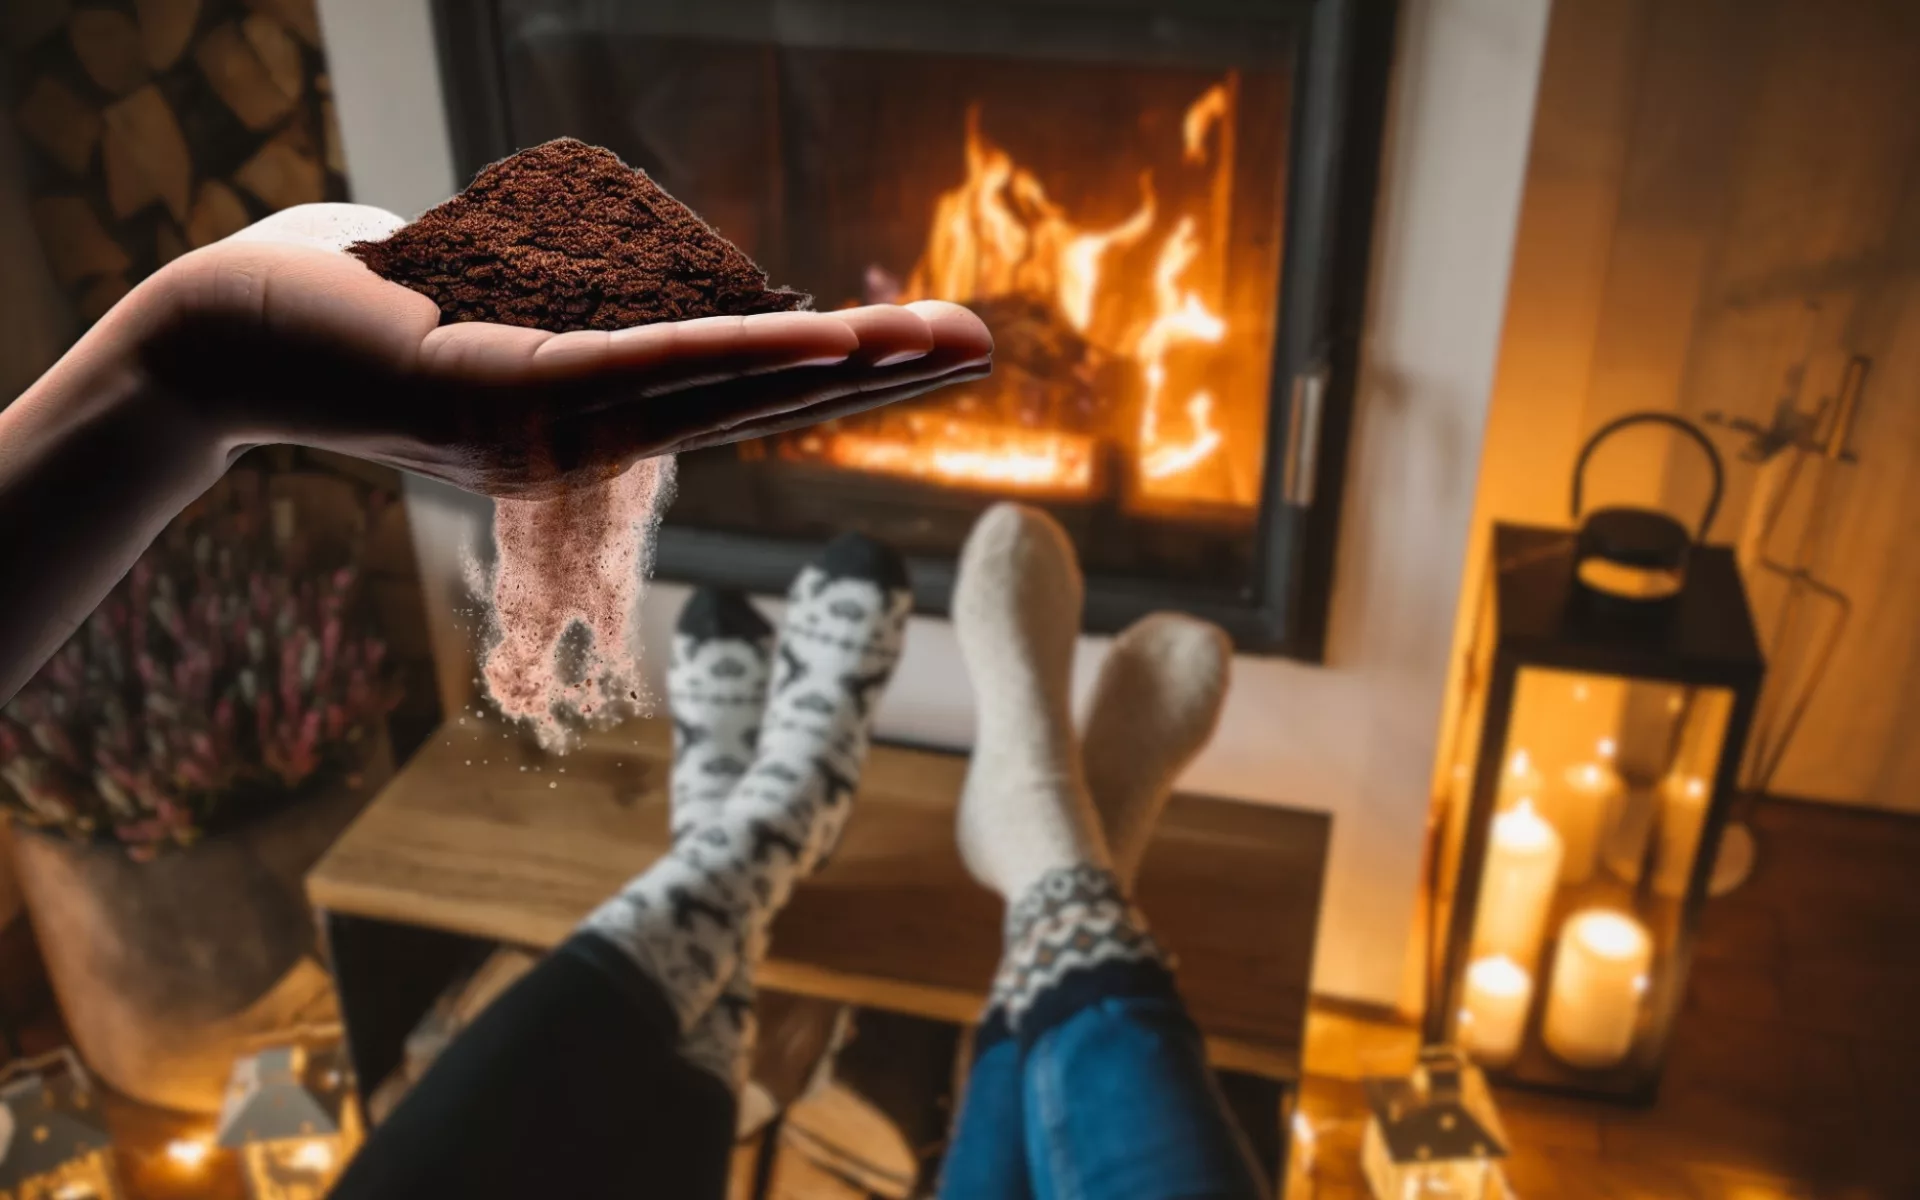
point(571, 1084)
point(1114, 1102)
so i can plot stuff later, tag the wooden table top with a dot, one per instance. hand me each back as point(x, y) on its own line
point(483, 835)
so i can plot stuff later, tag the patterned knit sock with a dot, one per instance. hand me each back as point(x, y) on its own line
point(716, 695)
point(721, 1040)
point(1016, 613)
point(1154, 706)
point(1073, 938)
point(700, 914)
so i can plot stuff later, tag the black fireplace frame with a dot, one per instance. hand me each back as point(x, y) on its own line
point(1345, 52)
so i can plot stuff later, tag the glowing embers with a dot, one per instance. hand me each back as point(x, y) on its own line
point(957, 452)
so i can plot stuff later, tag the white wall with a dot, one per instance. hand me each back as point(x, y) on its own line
point(1357, 737)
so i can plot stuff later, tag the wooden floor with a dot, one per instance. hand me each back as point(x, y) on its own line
point(1796, 1064)
point(1796, 1071)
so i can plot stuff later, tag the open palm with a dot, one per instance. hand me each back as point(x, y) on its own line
point(276, 335)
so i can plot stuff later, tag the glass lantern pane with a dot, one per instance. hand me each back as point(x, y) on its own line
point(1599, 817)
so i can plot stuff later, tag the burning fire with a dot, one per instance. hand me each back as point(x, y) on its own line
point(1156, 309)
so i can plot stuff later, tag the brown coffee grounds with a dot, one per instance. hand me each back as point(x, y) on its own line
point(561, 237)
point(566, 236)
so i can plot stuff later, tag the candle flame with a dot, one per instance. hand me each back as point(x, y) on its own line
point(1500, 975)
point(1522, 828)
point(1611, 934)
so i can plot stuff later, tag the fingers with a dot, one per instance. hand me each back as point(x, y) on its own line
point(596, 369)
point(833, 409)
point(889, 334)
point(678, 356)
point(591, 398)
point(654, 360)
point(792, 398)
point(955, 329)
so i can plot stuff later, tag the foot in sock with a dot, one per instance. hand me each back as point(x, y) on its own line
point(1154, 707)
point(1075, 933)
point(699, 915)
point(1027, 827)
point(1016, 613)
point(716, 696)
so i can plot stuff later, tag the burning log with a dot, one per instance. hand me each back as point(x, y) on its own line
point(1047, 374)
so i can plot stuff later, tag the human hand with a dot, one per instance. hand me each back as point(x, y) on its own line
point(276, 335)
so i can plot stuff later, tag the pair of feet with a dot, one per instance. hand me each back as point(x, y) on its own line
point(771, 732)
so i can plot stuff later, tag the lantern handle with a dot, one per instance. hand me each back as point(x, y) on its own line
point(1655, 418)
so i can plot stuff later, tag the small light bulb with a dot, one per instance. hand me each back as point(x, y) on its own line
point(313, 1156)
point(189, 1154)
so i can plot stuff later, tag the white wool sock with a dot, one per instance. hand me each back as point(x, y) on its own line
point(1154, 707)
point(1016, 611)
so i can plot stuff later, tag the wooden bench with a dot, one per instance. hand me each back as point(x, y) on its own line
point(482, 840)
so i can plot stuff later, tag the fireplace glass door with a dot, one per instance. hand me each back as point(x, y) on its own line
point(1107, 184)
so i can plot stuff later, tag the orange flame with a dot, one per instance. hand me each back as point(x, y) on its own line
point(999, 234)
point(1209, 110)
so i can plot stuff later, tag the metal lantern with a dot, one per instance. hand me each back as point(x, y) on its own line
point(53, 1141)
point(1433, 1134)
point(1611, 682)
point(289, 1115)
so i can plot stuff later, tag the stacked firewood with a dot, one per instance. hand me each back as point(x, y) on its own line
point(159, 126)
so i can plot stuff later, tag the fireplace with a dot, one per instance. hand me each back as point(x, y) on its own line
point(1160, 207)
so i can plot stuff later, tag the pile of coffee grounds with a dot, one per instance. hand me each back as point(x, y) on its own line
point(561, 237)
point(566, 236)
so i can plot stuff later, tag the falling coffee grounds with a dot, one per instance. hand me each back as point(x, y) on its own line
point(561, 237)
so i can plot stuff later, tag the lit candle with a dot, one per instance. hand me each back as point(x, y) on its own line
point(1577, 806)
point(1522, 866)
point(1494, 1013)
point(1683, 816)
point(1520, 781)
point(1599, 976)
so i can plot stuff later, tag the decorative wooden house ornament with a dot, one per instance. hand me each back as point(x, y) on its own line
point(53, 1142)
point(1434, 1134)
point(290, 1116)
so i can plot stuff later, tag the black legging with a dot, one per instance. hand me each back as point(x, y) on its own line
point(567, 1085)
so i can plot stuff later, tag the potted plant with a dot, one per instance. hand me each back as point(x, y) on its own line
point(176, 767)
